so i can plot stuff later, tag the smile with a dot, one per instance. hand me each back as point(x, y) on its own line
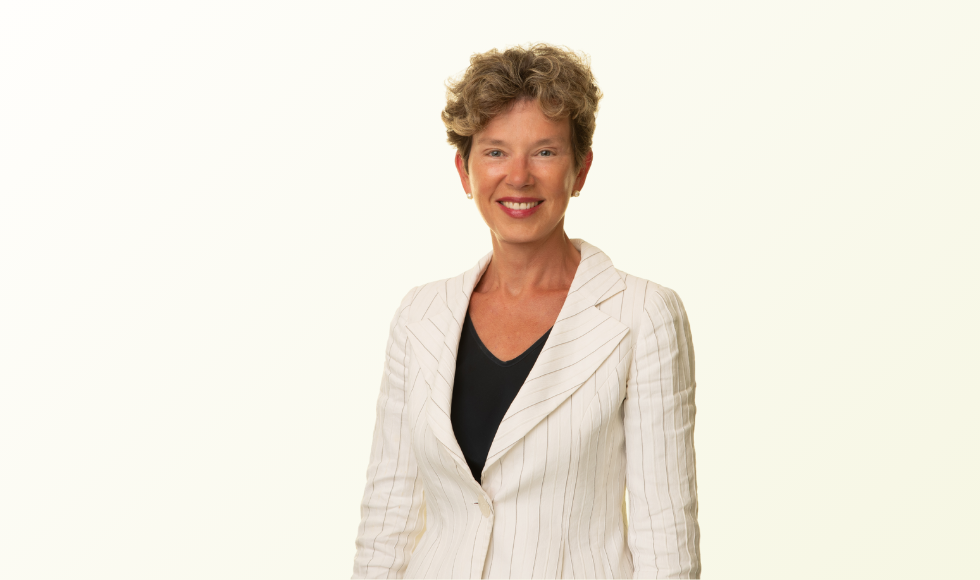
point(520, 209)
point(513, 205)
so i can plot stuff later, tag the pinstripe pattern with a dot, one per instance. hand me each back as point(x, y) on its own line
point(607, 408)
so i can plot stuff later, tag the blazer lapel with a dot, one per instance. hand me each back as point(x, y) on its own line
point(581, 339)
point(435, 341)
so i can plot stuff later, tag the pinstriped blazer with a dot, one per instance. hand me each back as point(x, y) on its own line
point(607, 409)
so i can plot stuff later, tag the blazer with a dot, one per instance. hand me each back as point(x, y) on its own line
point(608, 409)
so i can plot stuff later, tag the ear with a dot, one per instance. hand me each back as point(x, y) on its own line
point(464, 178)
point(584, 171)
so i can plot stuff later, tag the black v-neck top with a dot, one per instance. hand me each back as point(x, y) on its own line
point(483, 389)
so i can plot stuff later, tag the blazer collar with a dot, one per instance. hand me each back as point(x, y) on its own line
point(582, 338)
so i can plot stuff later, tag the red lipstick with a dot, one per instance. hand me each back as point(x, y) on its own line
point(519, 213)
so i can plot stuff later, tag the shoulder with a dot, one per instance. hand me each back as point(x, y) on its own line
point(648, 293)
point(659, 327)
point(417, 301)
point(646, 303)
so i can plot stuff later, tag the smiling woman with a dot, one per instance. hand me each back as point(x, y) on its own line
point(522, 151)
point(524, 398)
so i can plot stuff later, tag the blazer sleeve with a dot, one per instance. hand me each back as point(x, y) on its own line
point(663, 534)
point(393, 506)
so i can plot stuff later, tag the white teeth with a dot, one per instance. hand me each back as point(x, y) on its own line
point(512, 205)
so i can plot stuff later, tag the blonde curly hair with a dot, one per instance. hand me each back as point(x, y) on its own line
point(559, 79)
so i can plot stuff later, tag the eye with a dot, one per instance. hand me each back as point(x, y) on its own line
point(547, 153)
point(495, 153)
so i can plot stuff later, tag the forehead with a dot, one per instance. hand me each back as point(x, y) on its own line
point(524, 120)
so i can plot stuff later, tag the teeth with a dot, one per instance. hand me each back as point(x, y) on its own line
point(512, 205)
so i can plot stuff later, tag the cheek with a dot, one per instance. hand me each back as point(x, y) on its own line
point(483, 180)
point(562, 177)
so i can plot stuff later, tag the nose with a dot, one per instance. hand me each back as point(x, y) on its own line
point(519, 173)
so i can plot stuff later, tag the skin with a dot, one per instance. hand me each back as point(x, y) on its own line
point(523, 153)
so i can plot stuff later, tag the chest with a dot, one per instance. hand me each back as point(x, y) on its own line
point(509, 327)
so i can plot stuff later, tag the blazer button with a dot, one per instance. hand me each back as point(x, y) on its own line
point(484, 507)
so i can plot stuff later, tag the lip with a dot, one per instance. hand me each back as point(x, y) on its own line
point(519, 213)
point(520, 199)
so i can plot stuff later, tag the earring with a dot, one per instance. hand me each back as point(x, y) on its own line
point(575, 193)
point(469, 195)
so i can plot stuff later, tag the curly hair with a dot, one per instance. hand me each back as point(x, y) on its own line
point(557, 78)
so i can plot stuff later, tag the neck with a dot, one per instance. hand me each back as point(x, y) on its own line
point(523, 269)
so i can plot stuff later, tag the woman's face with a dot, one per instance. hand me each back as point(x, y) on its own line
point(522, 173)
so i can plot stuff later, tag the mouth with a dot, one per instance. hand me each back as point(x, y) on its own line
point(517, 207)
point(521, 205)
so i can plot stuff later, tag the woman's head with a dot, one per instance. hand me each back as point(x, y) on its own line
point(522, 123)
point(559, 80)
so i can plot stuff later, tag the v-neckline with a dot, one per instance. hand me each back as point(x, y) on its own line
point(491, 356)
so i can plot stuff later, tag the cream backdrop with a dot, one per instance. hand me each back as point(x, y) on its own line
point(210, 211)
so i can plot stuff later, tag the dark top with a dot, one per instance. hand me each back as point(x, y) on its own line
point(483, 389)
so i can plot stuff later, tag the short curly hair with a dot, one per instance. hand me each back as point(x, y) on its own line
point(559, 79)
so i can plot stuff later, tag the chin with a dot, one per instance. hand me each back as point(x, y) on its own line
point(521, 235)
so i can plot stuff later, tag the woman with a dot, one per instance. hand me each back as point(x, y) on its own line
point(523, 398)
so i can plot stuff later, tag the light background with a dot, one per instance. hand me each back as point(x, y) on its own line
point(209, 212)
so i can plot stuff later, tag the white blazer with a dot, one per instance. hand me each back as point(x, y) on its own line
point(608, 407)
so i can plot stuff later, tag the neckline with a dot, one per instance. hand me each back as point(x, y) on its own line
point(491, 356)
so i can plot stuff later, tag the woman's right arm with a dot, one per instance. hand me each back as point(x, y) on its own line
point(393, 507)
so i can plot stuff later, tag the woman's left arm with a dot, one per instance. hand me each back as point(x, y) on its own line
point(663, 533)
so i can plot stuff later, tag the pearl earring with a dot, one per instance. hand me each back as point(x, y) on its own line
point(469, 195)
point(575, 193)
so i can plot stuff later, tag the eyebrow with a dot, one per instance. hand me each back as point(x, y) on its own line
point(499, 142)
